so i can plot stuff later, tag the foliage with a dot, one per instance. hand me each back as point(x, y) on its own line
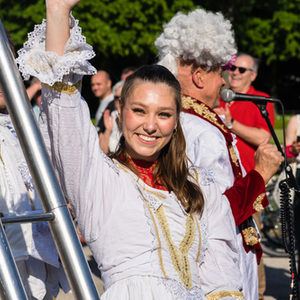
point(271, 29)
point(122, 32)
point(119, 27)
point(122, 27)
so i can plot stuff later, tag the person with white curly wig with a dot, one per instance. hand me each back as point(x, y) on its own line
point(196, 47)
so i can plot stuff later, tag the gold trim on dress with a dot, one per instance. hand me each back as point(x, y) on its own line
point(64, 87)
point(222, 294)
point(1, 158)
point(200, 240)
point(202, 110)
point(179, 258)
point(161, 262)
point(250, 236)
point(257, 205)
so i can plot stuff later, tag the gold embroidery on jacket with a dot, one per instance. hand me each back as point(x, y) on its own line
point(202, 110)
point(257, 205)
point(233, 156)
point(250, 236)
point(222, 294)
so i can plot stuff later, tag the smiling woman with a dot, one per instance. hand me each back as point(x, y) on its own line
point(157, 229)
point(149, 119)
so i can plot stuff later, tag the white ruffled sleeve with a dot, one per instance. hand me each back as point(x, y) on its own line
point(49, 67)
point(85, 173)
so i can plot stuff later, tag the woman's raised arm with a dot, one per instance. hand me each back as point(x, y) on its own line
point(58, 31)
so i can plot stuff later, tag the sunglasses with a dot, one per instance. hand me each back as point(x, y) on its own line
point(242, 70)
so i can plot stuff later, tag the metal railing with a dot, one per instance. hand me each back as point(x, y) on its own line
point(50, 194)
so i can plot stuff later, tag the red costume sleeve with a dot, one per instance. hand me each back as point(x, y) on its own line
point(247, 196)
point(288, 152)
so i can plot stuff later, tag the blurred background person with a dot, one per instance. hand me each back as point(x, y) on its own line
point(127, 72)
point(108, 126)
point(34, 93)
point(101, 87)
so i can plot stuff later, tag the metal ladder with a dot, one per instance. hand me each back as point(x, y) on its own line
point(50, 194)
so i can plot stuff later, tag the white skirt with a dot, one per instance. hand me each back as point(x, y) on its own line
point(150, 288)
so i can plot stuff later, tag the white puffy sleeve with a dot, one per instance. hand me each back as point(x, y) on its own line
point(219, 271)
point(85, 173)
point(206, 148)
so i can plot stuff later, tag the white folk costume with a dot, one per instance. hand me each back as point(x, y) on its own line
point(145, 244)
point(211, 145)
point(31, 243)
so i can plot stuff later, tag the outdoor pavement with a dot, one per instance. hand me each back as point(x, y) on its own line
point(277, 274)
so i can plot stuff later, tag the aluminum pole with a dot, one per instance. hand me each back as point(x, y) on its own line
point(11, 287)
point(62, 227)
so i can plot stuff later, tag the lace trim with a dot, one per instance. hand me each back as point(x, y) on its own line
point(26, 176)
point(181, 293)
point(202, 110)
point(154, 203)
point(111, 162)
point(65, 88)
point(206, 176)
point(222, 294)
point(204, 237)
point(49, 67)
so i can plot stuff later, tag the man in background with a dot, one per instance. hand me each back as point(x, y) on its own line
point(101, 87)
point(127, 72)
point(244, 118)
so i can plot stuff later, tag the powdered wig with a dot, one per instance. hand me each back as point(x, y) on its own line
point(205, 38)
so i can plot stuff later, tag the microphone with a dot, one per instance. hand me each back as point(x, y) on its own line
point(228, 95)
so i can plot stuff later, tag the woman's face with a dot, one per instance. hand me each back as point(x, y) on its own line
point(148, 119)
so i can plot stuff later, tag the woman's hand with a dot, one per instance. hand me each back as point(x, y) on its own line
point(267, 160)
point(58, 31)
point(63, 5)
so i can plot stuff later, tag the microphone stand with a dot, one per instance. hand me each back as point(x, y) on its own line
point(286, 207)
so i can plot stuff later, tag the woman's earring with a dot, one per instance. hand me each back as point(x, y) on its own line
point(175, 131)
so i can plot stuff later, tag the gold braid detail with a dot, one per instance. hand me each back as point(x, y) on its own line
point(234, 156)
point(222, 294)
point(180, 262)
point(158, 240)
point(200, 240)
point(1, 158)
point(202, 110)
point(64, 87)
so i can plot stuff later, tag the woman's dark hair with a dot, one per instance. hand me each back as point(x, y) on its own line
point(172, 165)
point(10, 41)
